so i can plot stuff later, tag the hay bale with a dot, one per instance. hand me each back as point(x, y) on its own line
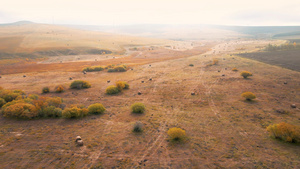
point(149, 65)
point(79, 143)
point(150, 79)
point(284, 82)
point(139, 93)
point(84, 72)
point(70, 78)
point(293, 106)
point(108, 81)
point(24, 75)
point(193, 93)
point(142, 81)
point(223, 75)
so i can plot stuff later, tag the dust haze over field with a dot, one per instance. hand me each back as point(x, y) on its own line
point(172, 84)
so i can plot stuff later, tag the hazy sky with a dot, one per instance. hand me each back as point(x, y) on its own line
point(119, 12)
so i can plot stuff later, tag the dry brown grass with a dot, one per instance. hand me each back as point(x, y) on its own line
point(222, 130)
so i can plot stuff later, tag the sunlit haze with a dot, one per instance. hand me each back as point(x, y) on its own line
point(119, 12)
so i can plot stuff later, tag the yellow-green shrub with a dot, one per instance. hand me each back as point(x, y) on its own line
point(248, 96)
point(45, 90)
point(59, 89)
point(235, 69)
point(21, 110)
point(74, 112)
point(79, 84)
point(246, 74)
point(93, 69)
point(50, 111)
point(96, 108)
point(112, 90)
point(138, 108)
point(284, 131)
point(176, 133)
point(9, 95)
point(2, 102)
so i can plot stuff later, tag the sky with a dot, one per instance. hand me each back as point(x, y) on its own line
point(128, 12)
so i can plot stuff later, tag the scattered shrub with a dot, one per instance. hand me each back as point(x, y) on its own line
point(2, 102)
point(138, 127)
point(79, 84)
point(74, 112)
point(120, 68)
point(33, 96)
point(284, 131)
point(112, 90)
point(246, 74)
point(138, 108)
point(96, 108)
point(45, 90)
point(191, 65)
point(249, 96)
point(93, 69)
point(50, 111)
point(120, 85)
point(235, 69)
point(20, 110)
point(176, 134)
point(214, 62)
point(59, 89)
point(8, 95)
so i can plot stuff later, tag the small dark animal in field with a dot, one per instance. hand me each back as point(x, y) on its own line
point(139, 93)
point(70, 78)
point(150, 79)
point(223, 75)
point(84, 72)
point(284, 82)
point(150, 65)
point(293, 106)
point(193, 93)
point(24, 75)
point(108, 81)
point(142, 81)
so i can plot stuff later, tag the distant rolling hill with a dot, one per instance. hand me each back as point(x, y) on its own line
point(27, 39)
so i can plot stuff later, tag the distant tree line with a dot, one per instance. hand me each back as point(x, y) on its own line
point(287, 46)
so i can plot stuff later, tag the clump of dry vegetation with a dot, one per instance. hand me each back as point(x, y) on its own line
point(176, 134)
point(2, 102)
point(120, 68)
point(246, 74)
point(138, 108)
point(59, 89)
point(122, 85)
point(112, 90)
point(45, 90)
point(75, 112)
point(214, 62)
point(93, 69)
point(248, 96)
point(96, 108)
point(284, 131)
point(10, 95)
point(80, 84)
point(235, 69)
point(138, 127)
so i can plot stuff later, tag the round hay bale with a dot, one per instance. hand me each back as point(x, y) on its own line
point(293, 106)
point(79, 143)
point(70, 78)
point(150, 79)
point(223, 75)
point(284, 82)
point(139, 93)
point(24, 75)
point(108, 81)
point(193, 93)
point(142, 81)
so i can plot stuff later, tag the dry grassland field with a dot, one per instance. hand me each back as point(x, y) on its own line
point(223, 130)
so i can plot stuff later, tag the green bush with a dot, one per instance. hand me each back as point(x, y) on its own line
point(286, 132)
point(2, 102)
point(120, 69)
point(79, 84)
point(246, 74)
point(20, 110)
point(248, 96)
point(138, 108)
point(93, 69)
point(45, 90)
point(112, 90)
point(96, 108)
point(8, 95)
point(33, 96)
point(111, 70)
point(138, 127)
point(74, 112)
point(122, 85)
point(50, 111)
point(176, 134)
